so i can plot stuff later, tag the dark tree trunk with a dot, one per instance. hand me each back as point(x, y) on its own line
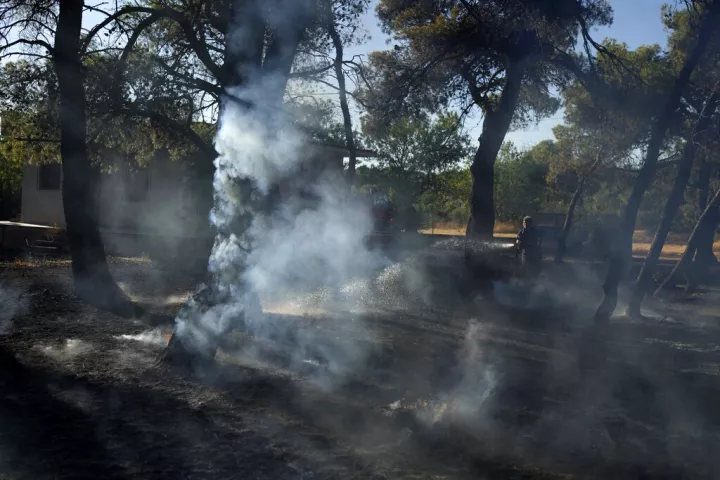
point(622, 256)
point(244, 62)
point(567, 225)
point(674, 200)
point(704, 257)
point(703, 181)
point(495, 126)
point(701, 256)
point(704, 254)
point(93, 282)
point(708, 215)
point(347, 120)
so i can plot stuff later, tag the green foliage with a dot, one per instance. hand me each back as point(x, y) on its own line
point(30, 133)
point(10, 177)
point(448, 201)
point(638, 81)
point(29, 110)
point(457, 52)
point(319, 120)
point(520, 180)
point(682, 25)
point(415, 150)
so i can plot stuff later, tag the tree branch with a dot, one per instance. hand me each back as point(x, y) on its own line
point(361, 72)
point(120, 67)
point(310, 72)
point(199, 83)
point(185, 24)
point(30, 139)
point(180, 128)
point(34, 43)
point(335, 87)
point(477, 97)
point(31, 55)
point(587, 38)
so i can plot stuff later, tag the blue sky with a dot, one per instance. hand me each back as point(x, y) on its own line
point(636, 22)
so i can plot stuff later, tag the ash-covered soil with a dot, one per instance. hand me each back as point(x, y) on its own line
point(400, 378)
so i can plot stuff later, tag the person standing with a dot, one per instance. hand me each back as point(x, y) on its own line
point(529, 246)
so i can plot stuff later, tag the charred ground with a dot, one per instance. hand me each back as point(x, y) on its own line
point(482, 390)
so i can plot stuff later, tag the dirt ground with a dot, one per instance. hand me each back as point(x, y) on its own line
point(423, 387)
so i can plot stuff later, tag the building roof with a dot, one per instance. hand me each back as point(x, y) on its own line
point(342, 149)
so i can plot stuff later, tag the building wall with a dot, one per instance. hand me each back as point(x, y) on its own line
point(167, 224)
point(165, 209)
point(42, 207)
point(171, 221)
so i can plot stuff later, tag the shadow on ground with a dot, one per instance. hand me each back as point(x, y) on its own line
point(479, 390)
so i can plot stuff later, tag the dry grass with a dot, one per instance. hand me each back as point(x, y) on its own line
point(63, 261)
point(673, 248)
point(506, 227)
point(439, 230)
point(502, 229)
point(642, 239)
point(670, 250)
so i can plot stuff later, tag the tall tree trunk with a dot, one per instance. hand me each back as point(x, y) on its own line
point(347, 120)
point(567, 225)
point(704, 257)
point(710, 211)
point(622, 256)
point(495, 126)
point(703, 181)
point(93, 282)
point(697, 258)
point(704, 254)
point(673, 202)
point(243, 65)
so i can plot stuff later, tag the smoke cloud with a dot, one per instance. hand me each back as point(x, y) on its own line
point(70, 349)
point(281, 229)
point(151, 337)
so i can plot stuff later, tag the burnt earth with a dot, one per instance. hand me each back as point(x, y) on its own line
point(549, 395)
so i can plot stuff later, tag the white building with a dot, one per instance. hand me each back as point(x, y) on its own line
point(152, 211)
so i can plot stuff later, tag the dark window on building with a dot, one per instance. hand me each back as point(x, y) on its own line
point(137, 184)
point(50, 177)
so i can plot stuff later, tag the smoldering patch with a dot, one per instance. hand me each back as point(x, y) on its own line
point(154, 300)
point(467, 398)
point(155, 337)
point(14, 304)
point(395, 286)
point(71, 349)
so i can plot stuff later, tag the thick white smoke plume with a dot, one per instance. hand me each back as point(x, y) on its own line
point(272, 240)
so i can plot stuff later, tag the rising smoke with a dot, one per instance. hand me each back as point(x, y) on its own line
point(272, 245)
point(270, 242)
